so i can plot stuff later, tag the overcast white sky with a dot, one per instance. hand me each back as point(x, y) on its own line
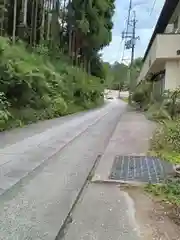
point(145, 26)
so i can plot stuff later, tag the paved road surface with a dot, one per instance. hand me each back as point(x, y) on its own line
point(43, 167)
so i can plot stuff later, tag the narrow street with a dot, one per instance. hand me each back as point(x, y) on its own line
point(44, 166)
point(90, 120)
point(55, 179)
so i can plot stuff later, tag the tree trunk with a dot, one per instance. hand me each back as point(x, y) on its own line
point(73, 47)
point(14, 22)
point(3, 6)
point(49, 20)
point(25, 12)
point(43, 20)
point(35, 23)
point(55, 26)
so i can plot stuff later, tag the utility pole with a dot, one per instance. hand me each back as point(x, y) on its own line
point(125, 36)
point(133, 36)
point(130, 43)
point(133, 44)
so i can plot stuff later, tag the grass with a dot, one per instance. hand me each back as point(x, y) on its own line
point(168, 192)
point(166, 142)
point(170, 156)
point(165, 145)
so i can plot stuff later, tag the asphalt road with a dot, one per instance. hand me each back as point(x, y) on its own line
point(44, 166)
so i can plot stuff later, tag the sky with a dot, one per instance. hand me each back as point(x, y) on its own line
point(147, 20)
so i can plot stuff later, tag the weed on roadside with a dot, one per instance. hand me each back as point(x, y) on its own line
point(165, 143)
point(169, 191)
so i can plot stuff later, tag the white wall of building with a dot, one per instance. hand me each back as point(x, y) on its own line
point(167, 46)
point(172, 75)
point(163, 54)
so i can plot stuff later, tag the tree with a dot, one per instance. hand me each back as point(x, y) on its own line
point(120, 71)
point(109, 78)
point(119, 74)
point(91, 25)
point(78, 28)
point(136, 68)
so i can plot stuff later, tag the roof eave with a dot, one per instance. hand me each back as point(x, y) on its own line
point(162, 22)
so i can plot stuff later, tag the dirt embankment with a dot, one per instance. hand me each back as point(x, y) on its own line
point(158, 221)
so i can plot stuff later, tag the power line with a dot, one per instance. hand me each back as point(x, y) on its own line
point(152, 9)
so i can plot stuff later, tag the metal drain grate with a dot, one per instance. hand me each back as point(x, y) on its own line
point(140, 169)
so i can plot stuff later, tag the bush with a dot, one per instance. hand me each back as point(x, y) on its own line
point(142, 94)
point(41, 84)
point(169, 191)
point(157, 112)
point(172, 135)
point(59, 106)
point(171, 102)
point(4, 113)
point(139, 96)
point(166, 141)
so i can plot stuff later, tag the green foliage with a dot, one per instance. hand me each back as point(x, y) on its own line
point(171, 102)
point(92, 23)
point(166, 141)
point(169, 191)
point(39, 86)
point(157, 112)
point(172, 136)
point(59, 106)
point(139, 96)
point(4, 113)
point(120, 77)
point(166, 106)
point(119, 74)
point(165, 144)
point(143, 94)
point(52, 66)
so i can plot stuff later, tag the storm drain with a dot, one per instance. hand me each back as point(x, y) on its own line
point(140, 169)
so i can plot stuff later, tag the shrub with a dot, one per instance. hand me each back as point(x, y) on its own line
point(172, 135)
point(59, 106)
point(142, 94)
point(171, 102)
point(169, 191)
point(139, 96)
point(157, 112)
point(4, 113)
point(41, 84)
point(166, 141)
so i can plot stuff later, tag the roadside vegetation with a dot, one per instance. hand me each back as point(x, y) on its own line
point(34, 87)
point(117, 74)
point(169, 192)
point(165, 110)
point(49, 58)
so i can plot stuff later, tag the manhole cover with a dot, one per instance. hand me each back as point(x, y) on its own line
point(140, 168)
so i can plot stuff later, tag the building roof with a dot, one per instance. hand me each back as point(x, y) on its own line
point(164, 18)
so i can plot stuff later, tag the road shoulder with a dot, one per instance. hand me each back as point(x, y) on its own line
point(109, 210)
